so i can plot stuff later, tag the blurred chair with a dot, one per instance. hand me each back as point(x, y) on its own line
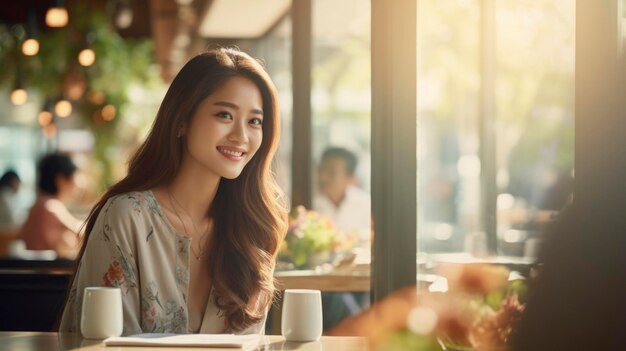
point(32, 293)
point(6, 238)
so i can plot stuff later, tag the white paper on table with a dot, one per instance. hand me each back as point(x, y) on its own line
point(187, 340)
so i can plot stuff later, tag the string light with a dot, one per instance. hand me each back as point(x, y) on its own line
point(19, 96)
point(108, 112)
point(30, 47)
point(63, 108)
point(57, 17)
point(86, 57)
point(96, 97)
point(124, 16)
point(44, 118)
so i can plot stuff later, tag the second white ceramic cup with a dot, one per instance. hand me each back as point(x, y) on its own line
point(302, 315)
point(102, 314)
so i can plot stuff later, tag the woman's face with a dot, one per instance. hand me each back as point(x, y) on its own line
point(226, 130)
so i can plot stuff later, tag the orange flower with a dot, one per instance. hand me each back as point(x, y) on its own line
point(114, 275)
point(491, 331)
point(478, 279)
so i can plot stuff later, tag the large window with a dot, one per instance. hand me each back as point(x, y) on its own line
point(275, 50)
point(340, 106)
point(495, 123)
point(340, 93)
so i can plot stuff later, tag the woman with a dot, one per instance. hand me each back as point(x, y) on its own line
point(49, 225)
point(191, 234)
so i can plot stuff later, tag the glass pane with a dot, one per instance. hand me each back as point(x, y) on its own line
point(275, 51)
point(18, 147)
point(447, 104)
point(340, 99)
point(528, 83)
point(622, 22)
point(534, 123)
point(341, 112)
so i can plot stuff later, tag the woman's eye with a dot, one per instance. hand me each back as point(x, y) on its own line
point(256, 121)
point(224, 114)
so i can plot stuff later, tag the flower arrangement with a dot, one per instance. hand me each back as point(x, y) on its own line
point(479, 311)
point(312, 239)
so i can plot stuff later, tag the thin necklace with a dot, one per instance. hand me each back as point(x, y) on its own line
point(201, 247)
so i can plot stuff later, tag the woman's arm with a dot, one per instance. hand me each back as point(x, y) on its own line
point(109, 260)
point(59, 211)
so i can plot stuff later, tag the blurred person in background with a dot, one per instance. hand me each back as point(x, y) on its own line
point(9, 186)
point(339, 198)
point(349, 208)
point(577, 301)
point(191, 234)
point(49, 225)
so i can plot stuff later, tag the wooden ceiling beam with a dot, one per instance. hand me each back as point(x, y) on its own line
point(164, 15)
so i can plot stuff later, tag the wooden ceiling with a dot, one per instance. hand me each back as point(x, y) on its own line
point(156, 19)
point(172, 24)
point(16, 12)
point(174, 27)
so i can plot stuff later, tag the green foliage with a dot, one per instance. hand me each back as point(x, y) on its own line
point(312, 237)
point(406, 340)
point(494, 299)
point(120, 63)
point(519, 288)
point(534, 76)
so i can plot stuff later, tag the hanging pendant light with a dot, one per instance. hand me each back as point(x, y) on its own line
point(46, 117)
point(30, 46)
point(108, 112)
point(86, 57)
point(124, 14)
point(19, 95)
point(63, 108)
point(57, 15)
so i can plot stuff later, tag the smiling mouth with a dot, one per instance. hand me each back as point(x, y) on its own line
point(230, 153)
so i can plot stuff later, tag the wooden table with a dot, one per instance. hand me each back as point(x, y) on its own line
point(35, 341)
point(332, 281)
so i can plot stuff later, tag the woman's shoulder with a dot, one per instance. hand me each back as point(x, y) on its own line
point(123, 213)
point(130, 203)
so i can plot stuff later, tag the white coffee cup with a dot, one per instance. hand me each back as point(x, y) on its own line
point(102, 314)
point(302, 315)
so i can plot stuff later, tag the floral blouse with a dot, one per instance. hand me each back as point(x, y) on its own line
point(134, 247)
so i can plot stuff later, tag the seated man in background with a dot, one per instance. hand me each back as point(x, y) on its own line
point(349, 208)
point(50, 226)
point(339, 199)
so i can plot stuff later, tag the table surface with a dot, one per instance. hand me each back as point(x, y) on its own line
point(35, 341)
point(339, 279)
point(332, 281)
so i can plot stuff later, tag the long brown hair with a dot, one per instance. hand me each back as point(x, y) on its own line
point(249, 220)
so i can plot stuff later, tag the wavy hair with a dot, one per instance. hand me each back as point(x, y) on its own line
point(248, 215)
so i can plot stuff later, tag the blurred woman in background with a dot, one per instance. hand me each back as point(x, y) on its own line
point(49, 225)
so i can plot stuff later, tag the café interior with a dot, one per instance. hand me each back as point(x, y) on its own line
point(453, 170)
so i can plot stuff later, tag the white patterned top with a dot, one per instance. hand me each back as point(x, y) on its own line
point(133, 246)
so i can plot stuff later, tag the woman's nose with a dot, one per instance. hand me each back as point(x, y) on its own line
point(238, 133)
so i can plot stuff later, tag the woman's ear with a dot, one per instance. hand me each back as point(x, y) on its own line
point(181, 131)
